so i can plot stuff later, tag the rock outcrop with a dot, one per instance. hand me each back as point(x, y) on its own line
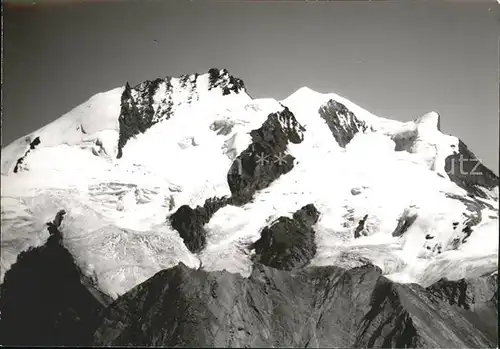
point(342, 122)
point(288, 243)
point(265, 159)
point(189, 222)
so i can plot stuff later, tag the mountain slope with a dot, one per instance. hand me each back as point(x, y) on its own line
point(316, 307)
point(192, 170)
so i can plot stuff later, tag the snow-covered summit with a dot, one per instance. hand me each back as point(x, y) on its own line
point(141, 170)
point(430, 121)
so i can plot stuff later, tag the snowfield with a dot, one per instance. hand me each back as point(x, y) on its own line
point(116, 209)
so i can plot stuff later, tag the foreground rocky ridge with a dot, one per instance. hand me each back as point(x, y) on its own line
point(45, 300)
point(314, 307)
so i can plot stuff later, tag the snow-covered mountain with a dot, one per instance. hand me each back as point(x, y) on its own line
point(122, 162)
point(194, 170)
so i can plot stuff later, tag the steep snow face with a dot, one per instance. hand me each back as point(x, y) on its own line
point(124, 161)
point(91, 125)
point(117, 208)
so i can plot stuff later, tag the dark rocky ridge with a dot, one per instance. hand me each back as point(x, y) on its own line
point(288, 243)
point(33, 144)
point(222, 78)
point(264, 160)
point(45, 300)
point(137, 113)
point(312, 307)
point(467, 293)
point(476, 298)
point(247, 175)
point(342, 122)
point(467, 171)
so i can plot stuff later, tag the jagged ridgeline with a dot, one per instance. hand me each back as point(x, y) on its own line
point(150, 102)
point(137, 113)
point(325, 307)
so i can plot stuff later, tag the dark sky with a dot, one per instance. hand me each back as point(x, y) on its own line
point(396, 59)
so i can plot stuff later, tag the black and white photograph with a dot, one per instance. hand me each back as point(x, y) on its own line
point(250, 173)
